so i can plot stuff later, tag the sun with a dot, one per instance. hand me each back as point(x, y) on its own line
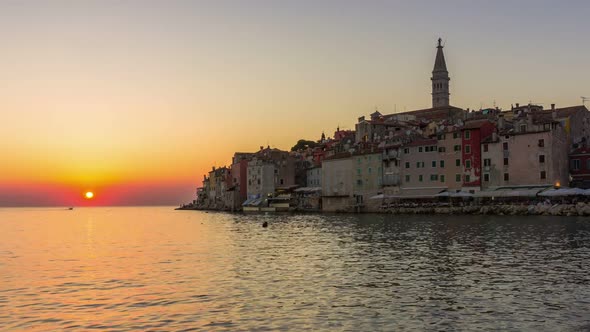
point(89, 195)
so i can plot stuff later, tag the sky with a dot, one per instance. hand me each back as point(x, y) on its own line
point(136, 100)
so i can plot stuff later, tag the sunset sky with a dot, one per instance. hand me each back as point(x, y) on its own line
point(136, 100)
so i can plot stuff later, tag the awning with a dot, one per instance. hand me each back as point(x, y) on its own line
point(532, 192)
point(380, 196)
point(491, 193)
point(421, 192)
point(556, 192)
point(254, 201)
point(308, 189)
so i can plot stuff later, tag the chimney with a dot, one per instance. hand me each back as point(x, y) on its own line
point(517, 105)
point(501, 121)
point(362, 118)
point(261, 147)
point(213, 168)
point(494, 136)
point(553, 107)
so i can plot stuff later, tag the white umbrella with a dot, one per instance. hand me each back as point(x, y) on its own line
point(575, 191)
point(462, 194)
point(554, 192)
point(444, 194)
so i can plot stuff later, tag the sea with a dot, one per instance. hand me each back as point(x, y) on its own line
point(157, 269)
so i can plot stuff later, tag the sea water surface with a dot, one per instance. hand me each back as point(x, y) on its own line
point(164, 270)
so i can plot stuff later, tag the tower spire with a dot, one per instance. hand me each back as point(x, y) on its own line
point(440, 79)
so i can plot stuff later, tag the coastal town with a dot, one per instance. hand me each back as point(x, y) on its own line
point(442, 159)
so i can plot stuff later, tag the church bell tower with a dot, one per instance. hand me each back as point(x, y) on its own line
point(440, 79)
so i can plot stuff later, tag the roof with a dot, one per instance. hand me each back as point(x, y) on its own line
point(476, 124)
point(567, 111)
point(422, 142)
point(440, 63)
point(580, 150)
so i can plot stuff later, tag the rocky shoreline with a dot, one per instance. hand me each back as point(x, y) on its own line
point(540, 209)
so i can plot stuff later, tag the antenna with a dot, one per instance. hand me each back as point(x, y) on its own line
point(584, 99)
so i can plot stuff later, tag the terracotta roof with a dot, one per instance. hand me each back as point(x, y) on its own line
point(430, 113)
point(476, 124)
point(580, 150)
point(567, 111)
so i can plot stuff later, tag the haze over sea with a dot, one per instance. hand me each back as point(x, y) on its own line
point(153, 268)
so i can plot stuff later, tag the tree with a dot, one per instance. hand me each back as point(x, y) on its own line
point(301, 144)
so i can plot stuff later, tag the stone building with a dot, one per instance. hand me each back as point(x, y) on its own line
point(579, 162)
point(337, 186)
point(420, 169)
point(450, 159)
point(534, 157)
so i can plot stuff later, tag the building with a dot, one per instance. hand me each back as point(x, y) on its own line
point(337, 186)
point(450, 158)
point(239, 172)
point(367, 179)
point(314, 177)
point(472, 133)
point(420, 169)
point(440, 79)
point(579, 163)
point(534, 157)
point(391, 170)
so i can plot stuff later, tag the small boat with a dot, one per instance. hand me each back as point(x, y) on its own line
point(70, 208)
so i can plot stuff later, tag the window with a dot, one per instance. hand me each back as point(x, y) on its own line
point(505, 145)
point(281, 182)
point(486, 177)
point(358, 160)
point(485, 148)
point(369, 170)
point(543, 175)
point(522, 128)
point(407, 164)
point(575, 164)
point(442, 164)
point(258, 181)
point(442, 178)
point(417, 164)
point(433, 177)
point(467, 134)
point(434, 163)
point(487, 162)
point(455, 135)
point(358, 171)
point(457, 177)
point(406, 150)
point(541, 158)
point(467, 148)
point(442, 149)
point(588, 164)
point(407, 178)
point(467, 178)
point(359, 182)
point(420, 149)
point(505, 161)
point(457, 148)
point(468, 163)
point(506, 177)
point(457, 162)
point(420, 178)
point(541, 143)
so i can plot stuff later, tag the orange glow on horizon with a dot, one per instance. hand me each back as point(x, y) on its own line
point(89, 195)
